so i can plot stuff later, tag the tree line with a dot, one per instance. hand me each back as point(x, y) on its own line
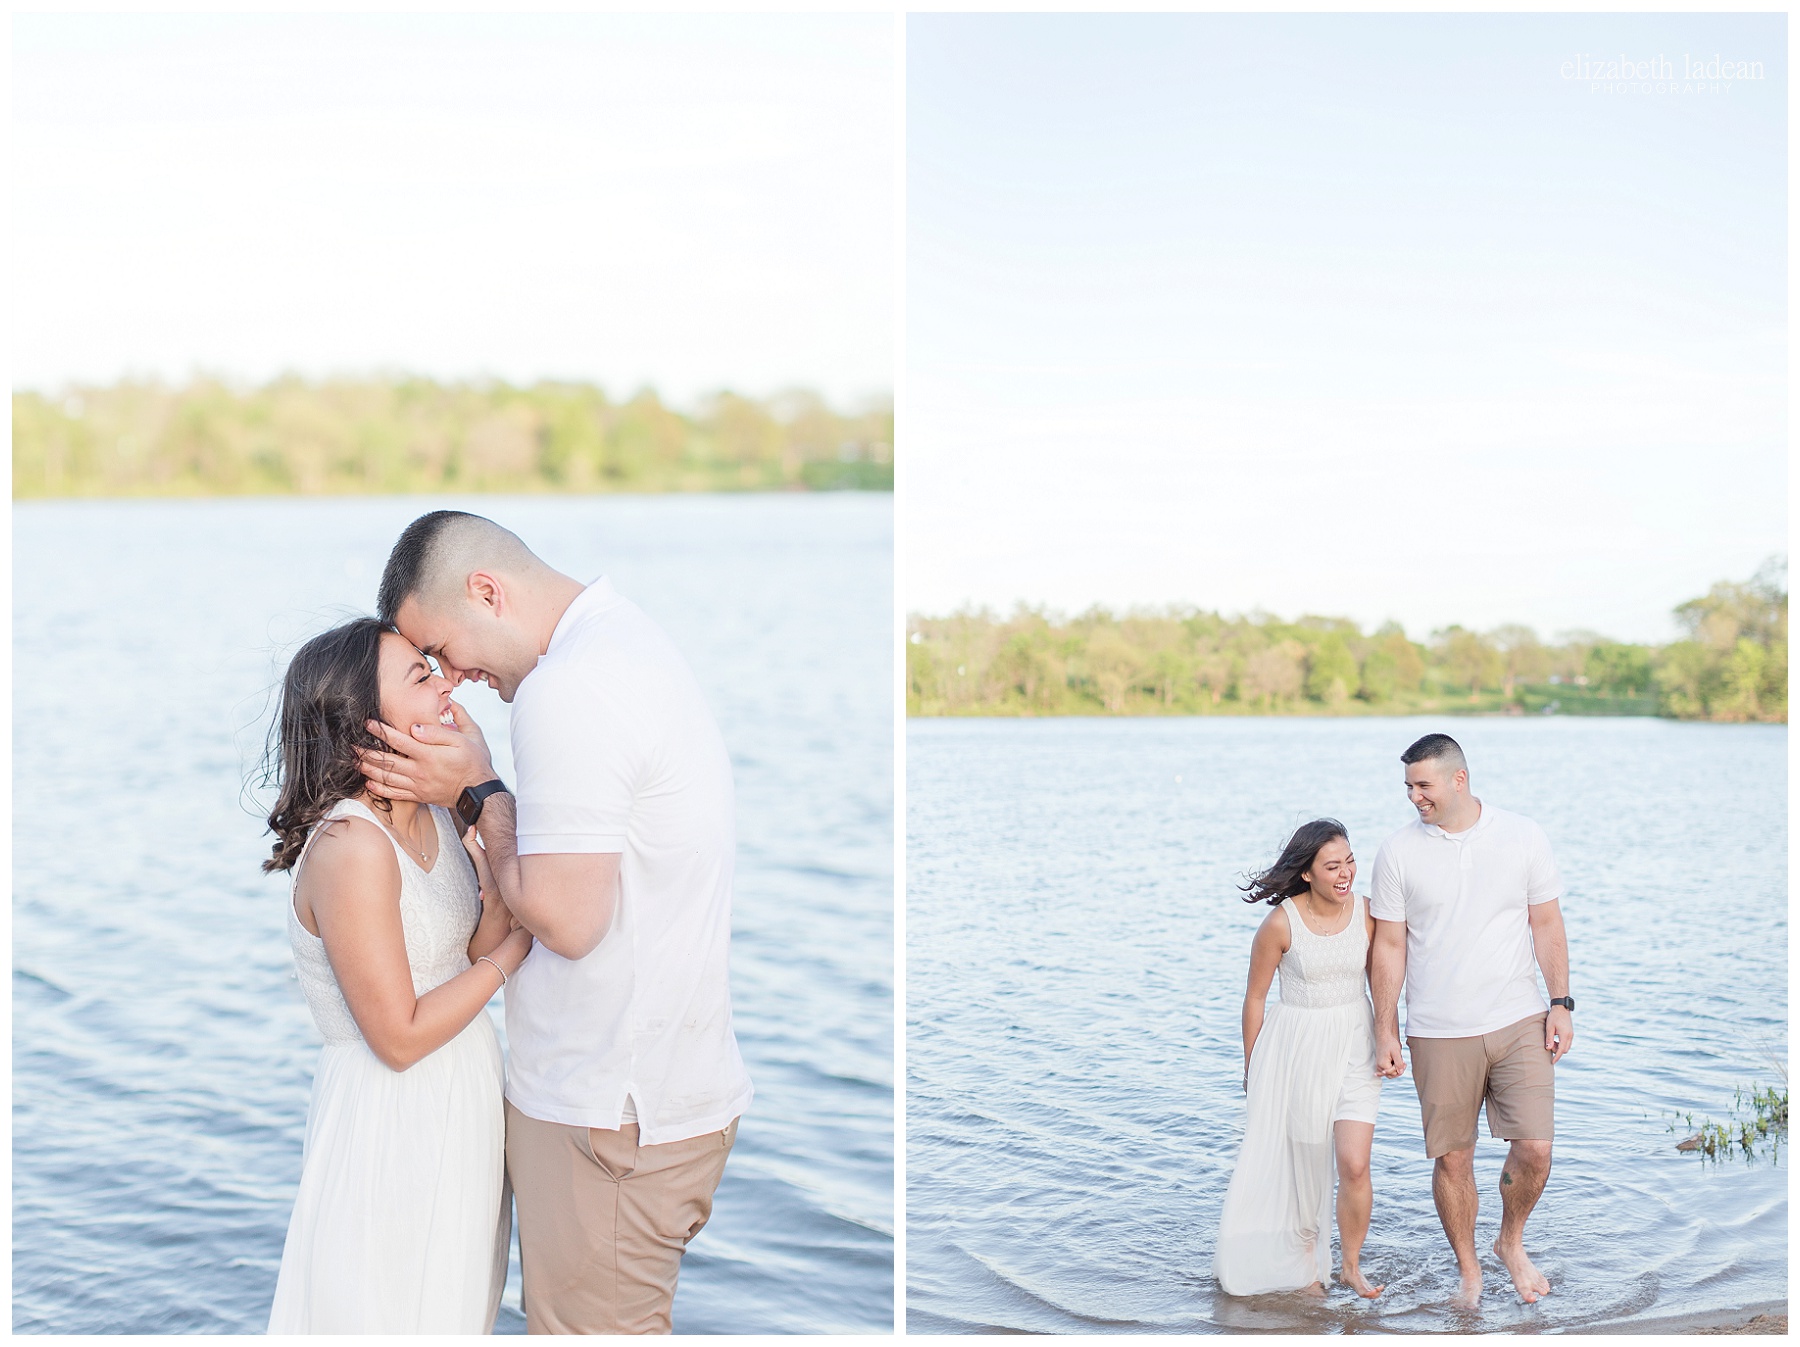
point(405, 435)
point(1730, 664)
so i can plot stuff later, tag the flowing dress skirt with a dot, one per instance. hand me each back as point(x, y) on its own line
point(1309, 1066)
point(399, 1226)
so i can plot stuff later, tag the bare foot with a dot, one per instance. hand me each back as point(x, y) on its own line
point(1316, 1290)
point(1527, 1280)
point(1353, 1278)
point(1468, 1295)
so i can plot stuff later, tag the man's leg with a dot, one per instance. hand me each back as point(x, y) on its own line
point(603, 1221)
point(1521, 1107)
point(1450, 1075)
point(1453, 1190)
point(665, 1198)
point(1521, 1183)
point(568, 1207)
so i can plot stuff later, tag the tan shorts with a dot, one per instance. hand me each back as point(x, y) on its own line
point(1508, 1067)
point(603, 1221)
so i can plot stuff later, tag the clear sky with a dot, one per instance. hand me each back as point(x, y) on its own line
point(692, 201)
point(1387, 316)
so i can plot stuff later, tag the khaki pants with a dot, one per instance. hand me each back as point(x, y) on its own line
point(1508, 1068)
point(603, 1221)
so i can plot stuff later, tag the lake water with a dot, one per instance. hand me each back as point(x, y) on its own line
point(1076, 954)
point(162, 1057)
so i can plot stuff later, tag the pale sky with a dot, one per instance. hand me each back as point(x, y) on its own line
point(1383, 316)
point(690, 201)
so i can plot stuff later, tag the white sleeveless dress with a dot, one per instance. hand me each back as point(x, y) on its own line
point(1313, 1065)
point(399, 1225)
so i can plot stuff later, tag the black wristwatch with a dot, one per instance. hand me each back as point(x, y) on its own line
point(468, 804)
point(1567, 1002)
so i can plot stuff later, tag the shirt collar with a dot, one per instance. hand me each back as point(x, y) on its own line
point(1469, 831)
point(595, 598)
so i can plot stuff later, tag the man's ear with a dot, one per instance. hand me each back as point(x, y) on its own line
point(486, 590)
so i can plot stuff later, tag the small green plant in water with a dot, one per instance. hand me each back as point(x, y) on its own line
point(1759, 1123)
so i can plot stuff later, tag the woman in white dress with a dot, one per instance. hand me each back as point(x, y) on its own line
point(1309, 1078)
point(399, 942)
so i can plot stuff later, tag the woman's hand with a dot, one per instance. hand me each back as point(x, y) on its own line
point(484, 875)
point(511, 952)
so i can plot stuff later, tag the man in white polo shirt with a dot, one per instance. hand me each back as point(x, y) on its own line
point(623, 1080)
point(1465, 901)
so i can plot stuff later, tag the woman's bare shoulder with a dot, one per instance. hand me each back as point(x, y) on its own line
point(1275, 928)
point(348, 850)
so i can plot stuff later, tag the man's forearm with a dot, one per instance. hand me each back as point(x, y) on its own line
point(1551, 944)
point(498, 828)
point(1387, 971)
point(570, 900)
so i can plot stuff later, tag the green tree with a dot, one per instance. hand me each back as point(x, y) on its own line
point(1393, 666)
point(1214, 675)
point(1733, 663)
point(1522, 656)
point(1028, 667)
point(1331, 671)
point(922, 671)
point(1275, 674)
point(1470, 659)
point(1614, 668)
point(1186, 660)
point(1170, 672)
point(1113, 665)
point(408, 434)
point(1744, 681)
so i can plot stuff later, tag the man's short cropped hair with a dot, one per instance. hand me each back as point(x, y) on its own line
point(444, 540)
point(1439, 746)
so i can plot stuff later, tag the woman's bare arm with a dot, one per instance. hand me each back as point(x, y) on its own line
point(497, 921)
point(1272, 939)
point(351, 883)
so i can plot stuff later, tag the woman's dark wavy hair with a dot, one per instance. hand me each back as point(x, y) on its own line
point(332, 688)
point(1282, 879)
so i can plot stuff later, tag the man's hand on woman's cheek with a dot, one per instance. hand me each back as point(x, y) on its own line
point(432, 765)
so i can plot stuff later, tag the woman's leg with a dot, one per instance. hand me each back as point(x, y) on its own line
point(1354, 1198)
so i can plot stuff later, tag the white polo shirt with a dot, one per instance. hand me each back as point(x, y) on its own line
point(616, 751)
point(1466, 899)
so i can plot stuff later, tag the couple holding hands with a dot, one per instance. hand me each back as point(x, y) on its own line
point(1464, 911)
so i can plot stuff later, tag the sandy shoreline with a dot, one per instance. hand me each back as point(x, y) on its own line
point(1768, 1317)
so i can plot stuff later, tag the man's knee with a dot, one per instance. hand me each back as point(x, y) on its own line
point(1457, 1165)
point(1352, 1168)
point(1532, 1154)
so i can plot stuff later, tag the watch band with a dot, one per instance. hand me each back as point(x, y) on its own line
point(469, 803)
point(1566, 1002)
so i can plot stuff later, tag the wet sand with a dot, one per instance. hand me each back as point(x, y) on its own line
point(1770, 1317)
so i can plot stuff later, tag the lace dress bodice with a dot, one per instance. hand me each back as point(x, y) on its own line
point(1322, 971)
point(439, 909)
